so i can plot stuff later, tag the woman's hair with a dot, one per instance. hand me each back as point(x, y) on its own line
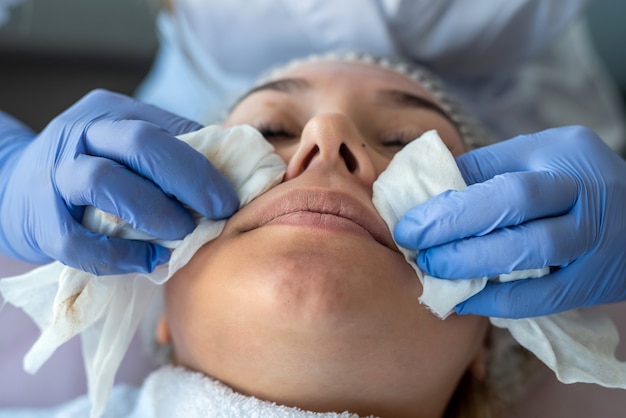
point(471, 399)
point(511, 369)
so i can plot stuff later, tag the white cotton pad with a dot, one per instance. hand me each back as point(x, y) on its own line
point(578, 345)
point(423, 169)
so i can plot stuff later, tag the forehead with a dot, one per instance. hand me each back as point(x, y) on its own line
point(329, 74)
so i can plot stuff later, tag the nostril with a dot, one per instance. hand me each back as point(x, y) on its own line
point(348, 158)
point(309, 157)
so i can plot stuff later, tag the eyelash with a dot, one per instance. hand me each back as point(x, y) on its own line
point(273, 131)
point(400, 139)
point(396, 143)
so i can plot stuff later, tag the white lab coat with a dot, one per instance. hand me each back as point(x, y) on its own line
point(501, 56)
point(519, 65)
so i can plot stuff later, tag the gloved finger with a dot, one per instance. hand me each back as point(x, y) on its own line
point(559, 291)
point(125, 107)
point(535, 244)
point(484, 163)
point(506, 200)
point(174, 166)
point(109, 186)
point(101, 255)
point(531, 152)
point(508, 156)
point(518, 299)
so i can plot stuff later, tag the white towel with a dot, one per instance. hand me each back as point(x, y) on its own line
point(179, 393)
point(174, 392)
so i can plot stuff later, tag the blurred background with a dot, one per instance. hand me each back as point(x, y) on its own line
point(52, 52)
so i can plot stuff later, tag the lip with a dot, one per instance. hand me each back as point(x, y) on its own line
point(323, 208)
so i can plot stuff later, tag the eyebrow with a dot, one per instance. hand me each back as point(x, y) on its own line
point(284, 85)
point(398, 98)
point(394, 98)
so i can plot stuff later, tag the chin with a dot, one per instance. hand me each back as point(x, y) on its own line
point(305, 282)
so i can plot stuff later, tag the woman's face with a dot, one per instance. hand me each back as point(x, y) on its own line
point(304, 299)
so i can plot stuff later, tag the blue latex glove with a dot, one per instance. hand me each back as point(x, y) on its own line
point(556, 198)
point(114, 153)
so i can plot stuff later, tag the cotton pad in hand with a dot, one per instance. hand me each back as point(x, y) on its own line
point(106, 310)
point(578, 345)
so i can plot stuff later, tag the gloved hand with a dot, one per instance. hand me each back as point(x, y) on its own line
point(114, 153)
point(556, 198)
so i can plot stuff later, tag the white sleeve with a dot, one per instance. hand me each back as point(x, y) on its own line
point(469, 38)
point(4, 9)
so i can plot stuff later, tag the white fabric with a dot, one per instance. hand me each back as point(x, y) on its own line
point(578, 345)
point(106, 310)
point(18, 332)
point(172, 392)
point(5, 5)
point(546, 92)
point(425, 170)
point(451, 36)
point(519, 65)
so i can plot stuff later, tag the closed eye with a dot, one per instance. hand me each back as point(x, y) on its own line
point(399, 139)
point(276, 132)
point(400, 143)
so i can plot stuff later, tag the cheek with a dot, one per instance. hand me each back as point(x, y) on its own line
point(199, 309)
point(451, 138)
point(286, 151)
point(458, 337)
point(379, 161)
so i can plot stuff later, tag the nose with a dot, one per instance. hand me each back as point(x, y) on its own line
point(332, 141)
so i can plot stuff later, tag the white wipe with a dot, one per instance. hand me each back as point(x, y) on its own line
point(106, 310)
point(578, 345)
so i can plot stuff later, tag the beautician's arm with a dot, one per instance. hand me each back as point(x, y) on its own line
point(117, 154)
point(556, 198)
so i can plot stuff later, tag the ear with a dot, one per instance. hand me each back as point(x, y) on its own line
point(478, 366)
point(163, 335)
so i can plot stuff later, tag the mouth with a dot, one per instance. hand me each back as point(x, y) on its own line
point(326, 209)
